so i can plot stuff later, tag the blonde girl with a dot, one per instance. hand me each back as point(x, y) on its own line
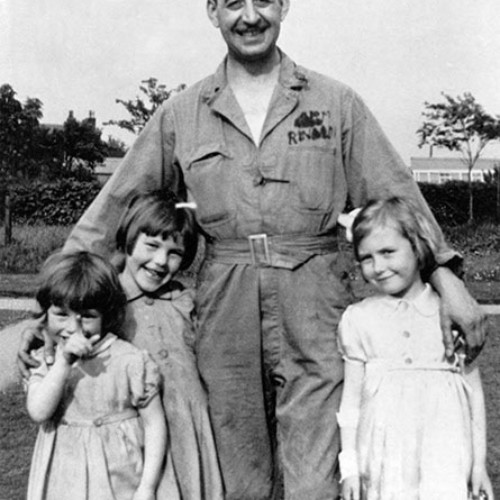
point(412, 421)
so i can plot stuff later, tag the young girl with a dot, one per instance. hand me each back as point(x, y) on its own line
point(157, 238)
point(412, 422)
point(103, 431)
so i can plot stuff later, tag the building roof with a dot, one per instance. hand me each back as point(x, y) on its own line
point(448, 164)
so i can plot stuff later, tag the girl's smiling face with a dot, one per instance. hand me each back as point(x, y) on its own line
point(389, 262)
point(154, 261)
point(63, 322)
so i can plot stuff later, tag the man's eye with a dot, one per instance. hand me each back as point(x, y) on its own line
point(235, 4)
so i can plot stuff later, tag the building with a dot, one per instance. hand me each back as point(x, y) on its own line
point(439, 170)
point(104, 170)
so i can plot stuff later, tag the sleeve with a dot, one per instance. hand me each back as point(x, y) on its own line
point(374, 169)
point(349, 337)
point(144, 379)
point(149, 165)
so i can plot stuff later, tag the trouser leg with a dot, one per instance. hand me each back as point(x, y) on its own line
point(230, 361)
point(301, 310)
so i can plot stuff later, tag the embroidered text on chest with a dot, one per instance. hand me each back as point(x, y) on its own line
point(310, 126)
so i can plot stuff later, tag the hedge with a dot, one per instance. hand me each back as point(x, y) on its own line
point(56, 203)
point(450, 202)
point(64, 201)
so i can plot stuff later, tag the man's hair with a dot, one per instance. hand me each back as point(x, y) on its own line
point(156, 214)
point(407, 218)
point(80, 281)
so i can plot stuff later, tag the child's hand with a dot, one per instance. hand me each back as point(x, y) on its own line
point(145, 493)
point(481, 484)
point(76, 346)
point(351, 488)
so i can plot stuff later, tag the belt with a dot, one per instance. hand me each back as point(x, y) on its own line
point(105, 419)
point(283, 251)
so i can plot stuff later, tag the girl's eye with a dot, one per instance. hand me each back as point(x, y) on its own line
point(91, 314)
point(56, 311)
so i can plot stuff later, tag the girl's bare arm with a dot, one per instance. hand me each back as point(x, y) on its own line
point(348, 422)
point(480, 480)
point(155, 444)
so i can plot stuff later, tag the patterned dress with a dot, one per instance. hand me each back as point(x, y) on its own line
point(162, 325)
point(93, 446)
point(414, 439)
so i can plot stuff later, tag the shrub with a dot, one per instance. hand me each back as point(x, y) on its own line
point(57, 203)
point(450, 202)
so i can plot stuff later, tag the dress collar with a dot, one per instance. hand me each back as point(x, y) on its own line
point(170, 291)
point(426, 303)
point(103, 344)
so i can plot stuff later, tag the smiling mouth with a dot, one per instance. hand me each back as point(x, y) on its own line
point(253, 31)
point(384, 279)
point(156, 275)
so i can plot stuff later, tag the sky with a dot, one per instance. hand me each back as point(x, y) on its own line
point(81, 55)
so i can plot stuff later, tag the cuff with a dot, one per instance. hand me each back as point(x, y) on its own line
point(348, 463)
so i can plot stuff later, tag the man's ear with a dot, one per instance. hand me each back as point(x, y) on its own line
point(212, 12)
point(285, 7)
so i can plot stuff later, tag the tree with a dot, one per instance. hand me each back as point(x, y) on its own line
point(82, 143)
point(19, 127)
point(459, 124)
point(115, 147)
point(142, 109)
point(493, 177)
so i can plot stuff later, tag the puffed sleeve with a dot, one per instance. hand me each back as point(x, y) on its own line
point(349, 337)
point(144, 379)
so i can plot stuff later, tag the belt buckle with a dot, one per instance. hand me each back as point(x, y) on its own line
point(259, 248)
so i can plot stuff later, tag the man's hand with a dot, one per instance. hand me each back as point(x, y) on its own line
point(459, 311)
point(33, 337)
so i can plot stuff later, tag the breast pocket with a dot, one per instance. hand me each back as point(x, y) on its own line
point(312, 173)
point(209, 178)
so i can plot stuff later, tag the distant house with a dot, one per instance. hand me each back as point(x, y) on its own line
point(439, 170)
point(104, 170)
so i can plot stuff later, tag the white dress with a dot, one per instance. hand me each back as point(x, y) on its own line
point(414, 439)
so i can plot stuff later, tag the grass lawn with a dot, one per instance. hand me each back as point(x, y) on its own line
point(18, 433)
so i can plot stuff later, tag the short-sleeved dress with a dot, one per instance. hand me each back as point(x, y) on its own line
point(93, 446)
point(162, 324)
point(414, 439)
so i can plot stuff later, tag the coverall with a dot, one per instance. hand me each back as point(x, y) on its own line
point(268, 307)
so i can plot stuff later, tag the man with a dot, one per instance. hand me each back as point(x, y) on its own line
point(270, 153)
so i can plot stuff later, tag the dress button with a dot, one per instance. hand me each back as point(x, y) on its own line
point(149, 301)
point(406, 334)
point(163, 353)
point(98, 422)
point(408, 361)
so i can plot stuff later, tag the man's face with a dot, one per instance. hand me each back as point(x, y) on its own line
point(249, 27)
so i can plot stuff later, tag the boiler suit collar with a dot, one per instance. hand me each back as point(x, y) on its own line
point(292, 78)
